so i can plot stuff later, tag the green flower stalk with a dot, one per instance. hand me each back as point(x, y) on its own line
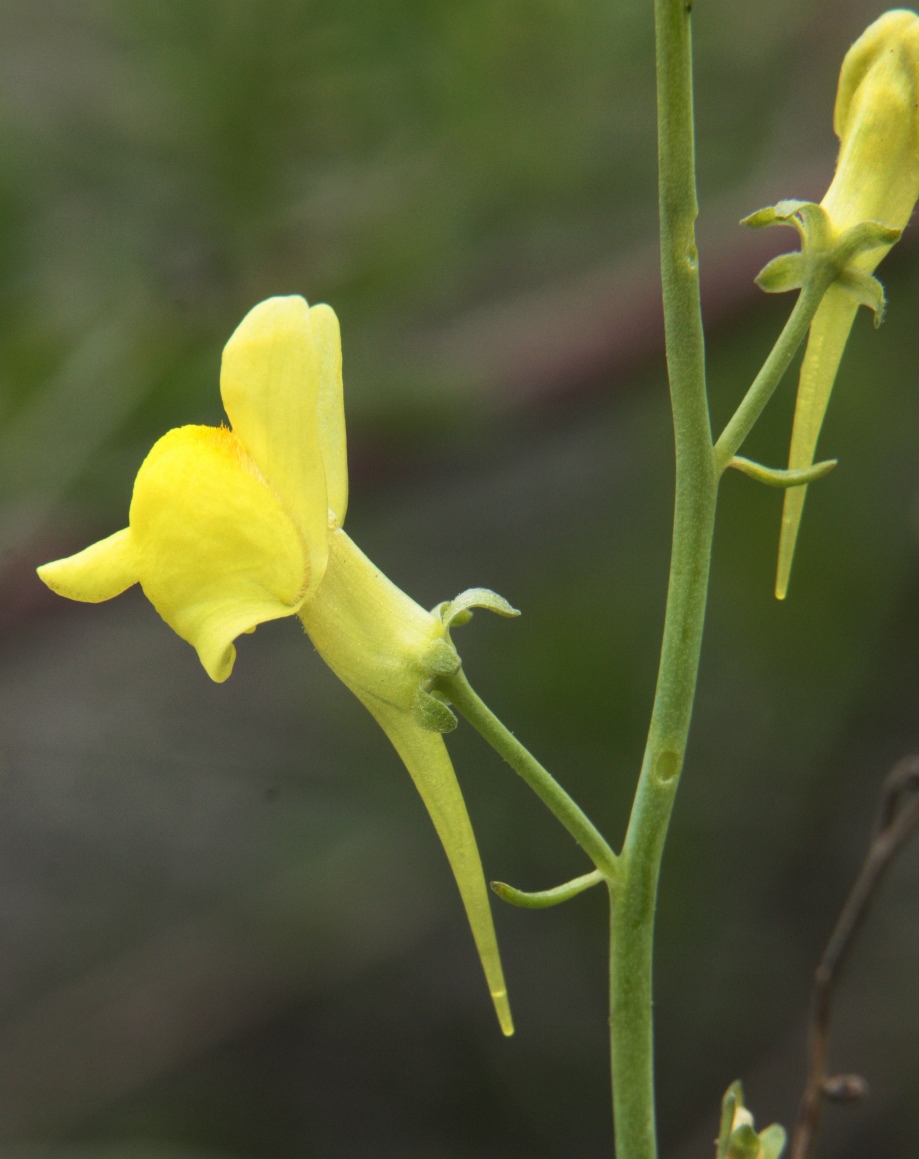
point(877, 180)
point(230, 528)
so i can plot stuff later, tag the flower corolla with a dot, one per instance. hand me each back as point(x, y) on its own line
point(231, 527)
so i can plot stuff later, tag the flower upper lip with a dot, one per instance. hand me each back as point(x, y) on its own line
point(229, 528)
point(281, 385)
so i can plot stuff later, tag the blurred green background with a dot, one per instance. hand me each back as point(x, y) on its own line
point(226, 928)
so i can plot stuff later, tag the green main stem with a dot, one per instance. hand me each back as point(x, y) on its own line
point(632, 877)
point(633, 896)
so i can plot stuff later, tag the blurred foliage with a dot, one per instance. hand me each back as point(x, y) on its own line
point(165, 164)
point(171, 986)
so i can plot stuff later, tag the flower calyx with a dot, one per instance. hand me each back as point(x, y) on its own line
point(737, 1138)
point(454, 613)
point(429, 708)
point(440, 660)
point(876, 118)
point(827, 256)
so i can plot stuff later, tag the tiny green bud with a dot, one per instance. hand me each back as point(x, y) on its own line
point(877, 174)
point(737, 1138)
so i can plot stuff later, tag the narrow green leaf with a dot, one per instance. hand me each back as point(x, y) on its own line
point(782, 477)
point(547, 897)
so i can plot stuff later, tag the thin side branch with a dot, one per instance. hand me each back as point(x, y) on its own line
point(898, 819)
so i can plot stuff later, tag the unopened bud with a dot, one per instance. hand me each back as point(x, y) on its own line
point(877, 180)
point(877, 121)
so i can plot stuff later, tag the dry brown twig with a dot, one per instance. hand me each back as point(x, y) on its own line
point(898, 818)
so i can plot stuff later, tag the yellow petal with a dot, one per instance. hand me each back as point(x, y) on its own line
point(269, 381)
point(826, 342)
point(217, 554)
point(327, 336)
point(97, 573)
point(374, 638)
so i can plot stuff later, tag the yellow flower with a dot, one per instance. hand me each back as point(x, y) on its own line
point(229, 528)
point(877, 179)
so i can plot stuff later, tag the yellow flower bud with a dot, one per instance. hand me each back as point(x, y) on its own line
point(230, 528)
point(876, 120)
point(877, 179)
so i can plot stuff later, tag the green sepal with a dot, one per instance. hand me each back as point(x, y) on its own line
point(430, 713)
point(440, 659)
point(772, 1141)
point(813, 224)
point(786, 272)
point(780, 476)
point(862, 238)
point(546, 897)
point(866, 290)
point(733, 1098)
point(743, 1143)
point(455, 613)
point(778, 214)
point(810, 220)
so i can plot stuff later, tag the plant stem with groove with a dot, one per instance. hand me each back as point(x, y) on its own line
point(633, 897)
point(632, 876)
